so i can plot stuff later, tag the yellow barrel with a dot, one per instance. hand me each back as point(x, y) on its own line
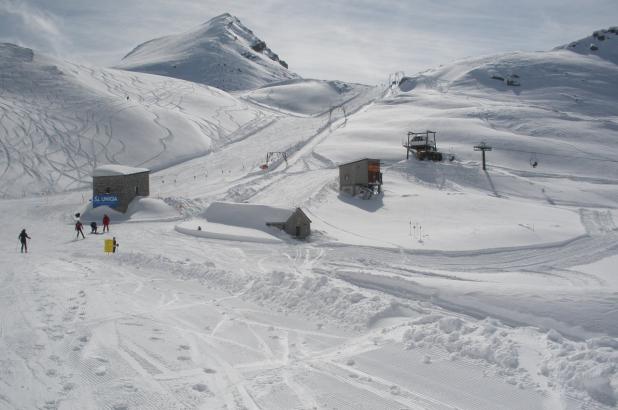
point(109, 246)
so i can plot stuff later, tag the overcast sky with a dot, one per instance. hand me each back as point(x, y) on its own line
point(352, 40)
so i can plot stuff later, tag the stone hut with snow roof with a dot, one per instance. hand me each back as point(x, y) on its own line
point(117, 185)
point(297, 224)
point(293, 221)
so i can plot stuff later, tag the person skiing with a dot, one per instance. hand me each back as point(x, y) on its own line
point(23, 237)
point(93, 227)
point(114, 244)
point(78, 229)
point(105, 223)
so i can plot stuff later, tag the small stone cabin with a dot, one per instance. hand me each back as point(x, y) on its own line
point(359, 176)
point(298, 224)
point(124, 182)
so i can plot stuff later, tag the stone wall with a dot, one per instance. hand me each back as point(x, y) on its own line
point(356, 177)
point(352, 175)
point(126, 187)
point(298, 220)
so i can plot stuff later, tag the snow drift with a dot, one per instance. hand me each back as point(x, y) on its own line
point(247, 215)
point(226, 232)
point(141, 209)
point(305, 97)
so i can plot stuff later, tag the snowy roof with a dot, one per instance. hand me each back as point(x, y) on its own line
point(114, 170)
point(298, 210)
point(247, 215)
point(359, 160)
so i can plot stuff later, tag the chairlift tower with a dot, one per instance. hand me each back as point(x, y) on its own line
point(270, 156)
point(424, 145)
point(395, 78)
point(483, 147)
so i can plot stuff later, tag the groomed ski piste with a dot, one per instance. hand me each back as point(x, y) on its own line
point(454, 289)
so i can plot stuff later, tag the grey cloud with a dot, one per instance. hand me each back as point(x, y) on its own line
point(25, 24)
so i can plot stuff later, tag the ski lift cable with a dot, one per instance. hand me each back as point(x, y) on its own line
point(557, 155)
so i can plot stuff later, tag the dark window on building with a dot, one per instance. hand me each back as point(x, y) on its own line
point(136, 191)
point(108, 190)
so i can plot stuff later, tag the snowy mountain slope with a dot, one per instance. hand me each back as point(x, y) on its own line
point(556, 110)
point(222, 53)
point(455, 289)
point(562, 115)
point(59, 120)
point(234, 172)
point(305, 97)
point(601, 43)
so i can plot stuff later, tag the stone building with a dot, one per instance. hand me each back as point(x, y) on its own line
point(361, 176)
point(297, 224)
point(117, 185)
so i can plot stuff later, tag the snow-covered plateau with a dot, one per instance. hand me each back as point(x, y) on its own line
point(454, 288)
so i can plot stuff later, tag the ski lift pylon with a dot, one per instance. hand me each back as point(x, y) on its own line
point(274, 154)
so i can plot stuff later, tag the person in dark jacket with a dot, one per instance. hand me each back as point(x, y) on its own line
point(115, 244)
point(93, 227)
point(78, 229)
point(23, 238)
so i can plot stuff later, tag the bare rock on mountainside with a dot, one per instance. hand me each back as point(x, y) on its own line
point(222, 53)
point(602, 43)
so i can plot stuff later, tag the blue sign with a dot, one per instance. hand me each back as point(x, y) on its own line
point(110, 200)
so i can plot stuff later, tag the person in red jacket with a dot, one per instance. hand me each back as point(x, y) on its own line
point(105, 223)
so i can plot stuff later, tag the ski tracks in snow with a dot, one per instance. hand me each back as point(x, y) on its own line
point(53, 134)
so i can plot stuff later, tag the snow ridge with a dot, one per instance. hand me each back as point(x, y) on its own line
point(221, 52)
point(602, 43)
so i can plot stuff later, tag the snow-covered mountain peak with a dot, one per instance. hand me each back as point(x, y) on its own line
point(222, 26)
point(20, 67)
point(221, 52)
point(221, 20)
point(602, 43)
point(13, 53)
